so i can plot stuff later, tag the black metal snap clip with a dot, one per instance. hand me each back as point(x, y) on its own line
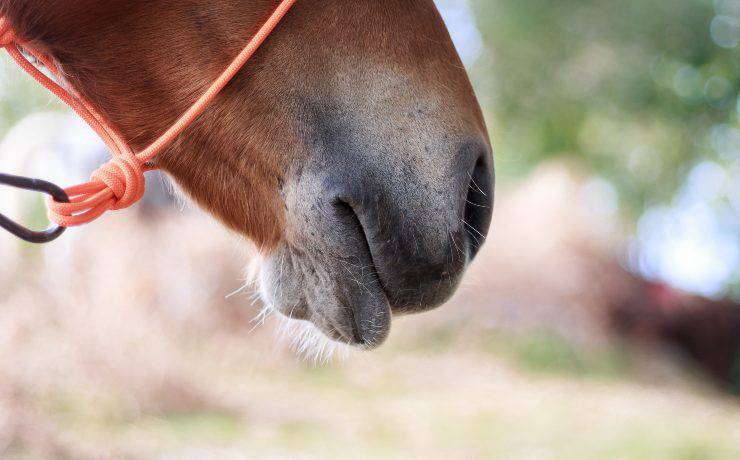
point(34, 185)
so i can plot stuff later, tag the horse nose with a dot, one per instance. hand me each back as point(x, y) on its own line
point(424, 227)
point(478, 206)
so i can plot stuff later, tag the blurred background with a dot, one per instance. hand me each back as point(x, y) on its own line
point(601, 320)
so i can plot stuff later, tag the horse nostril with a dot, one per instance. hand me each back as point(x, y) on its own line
point(478, 205)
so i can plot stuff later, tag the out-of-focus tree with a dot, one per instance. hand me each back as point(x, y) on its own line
point(20, 95)
point(643, 93)
point(639, 90)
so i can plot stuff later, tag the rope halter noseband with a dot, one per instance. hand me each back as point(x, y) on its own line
point(119, 183)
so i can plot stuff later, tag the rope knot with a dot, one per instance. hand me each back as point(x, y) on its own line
point(116, 185)
point(120, 183)
point(123, 175)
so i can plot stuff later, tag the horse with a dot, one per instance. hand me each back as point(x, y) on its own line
point(351, 150)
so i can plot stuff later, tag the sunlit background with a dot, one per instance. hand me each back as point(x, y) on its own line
point(601, 321)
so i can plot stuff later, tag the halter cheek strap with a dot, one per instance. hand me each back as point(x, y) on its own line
point(119, 183)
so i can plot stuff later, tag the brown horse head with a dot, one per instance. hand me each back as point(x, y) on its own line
point(351, 149)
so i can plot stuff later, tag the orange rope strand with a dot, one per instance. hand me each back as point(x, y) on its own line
point(119, 183)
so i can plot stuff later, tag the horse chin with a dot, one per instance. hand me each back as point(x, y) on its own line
point(323, 313)
point(306, 339)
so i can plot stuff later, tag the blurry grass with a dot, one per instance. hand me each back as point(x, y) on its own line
point(541, 352)
point(533, 396)
point(212, 427)
point(546, 352)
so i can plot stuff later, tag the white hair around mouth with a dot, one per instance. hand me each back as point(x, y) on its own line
point(303, 337)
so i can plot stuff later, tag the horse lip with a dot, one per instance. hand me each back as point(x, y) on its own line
point(368, 338)
point(362, 335)
point(366, 320)
point(340, 333)
point(349, 330)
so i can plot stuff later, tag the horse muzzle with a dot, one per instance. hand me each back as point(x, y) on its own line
point(366, 240)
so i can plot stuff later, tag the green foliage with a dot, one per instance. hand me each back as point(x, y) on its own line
point(631, 89)
point(20, 95)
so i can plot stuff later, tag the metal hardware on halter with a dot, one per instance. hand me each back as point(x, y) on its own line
point(34, 185)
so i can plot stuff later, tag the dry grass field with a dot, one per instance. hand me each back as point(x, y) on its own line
point(119, 342)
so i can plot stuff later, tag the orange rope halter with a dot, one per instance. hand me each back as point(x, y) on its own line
point(119, 183)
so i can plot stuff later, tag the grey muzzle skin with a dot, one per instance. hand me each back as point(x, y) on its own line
point(375, 236)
